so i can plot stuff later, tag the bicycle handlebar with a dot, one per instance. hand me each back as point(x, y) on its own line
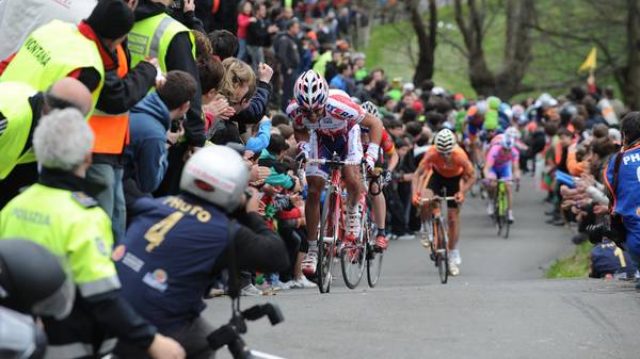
point(323, 161)
point(437, 199)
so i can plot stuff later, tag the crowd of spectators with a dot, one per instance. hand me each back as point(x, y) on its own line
point(248, 56)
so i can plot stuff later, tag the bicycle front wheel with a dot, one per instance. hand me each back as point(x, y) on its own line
point(507, 225)
point(374, 266)
point(353, 255)
point(442, 253)
point(327, 238)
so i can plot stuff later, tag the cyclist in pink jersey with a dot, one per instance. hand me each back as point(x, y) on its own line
point(327, 121)
point(502, 162)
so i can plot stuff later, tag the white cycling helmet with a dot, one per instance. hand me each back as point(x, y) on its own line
point(371, 109)
point(445, 141)
point(507, 141)
point(218, 175)
point(311, 91)
point(481, 107)
point(513, 132)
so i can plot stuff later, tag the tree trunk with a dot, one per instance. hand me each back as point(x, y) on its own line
point(426, 41)
point(517, 52)
point(517, 55)
point(631, 86)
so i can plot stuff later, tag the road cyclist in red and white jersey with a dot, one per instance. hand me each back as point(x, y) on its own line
point(327, 121)
point(378, 203)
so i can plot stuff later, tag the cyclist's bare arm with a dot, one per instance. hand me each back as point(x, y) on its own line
point(419, 177)
point(375, 128)
point(487, 167)
point(468, 176)
point(516, 168)
point(393, 161)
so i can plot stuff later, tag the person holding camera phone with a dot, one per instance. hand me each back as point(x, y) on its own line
point(176, 245)
point(156, 124)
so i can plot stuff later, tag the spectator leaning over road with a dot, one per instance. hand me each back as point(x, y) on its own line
point(248, 98)
point(146, 155)
point(621, 178)
point(174, 47)
point(286, 49)
point(20, 111)
point(59, 213)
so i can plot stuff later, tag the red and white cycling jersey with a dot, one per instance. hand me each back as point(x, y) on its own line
point(340, 115)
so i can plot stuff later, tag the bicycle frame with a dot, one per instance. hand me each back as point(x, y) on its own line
point(439, 222)
point(502, 198)
point(331, 221)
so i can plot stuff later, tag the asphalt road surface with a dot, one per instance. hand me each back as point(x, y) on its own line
point(499, 307)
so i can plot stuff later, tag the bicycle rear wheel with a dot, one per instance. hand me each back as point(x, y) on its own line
point(374, 259)
point(353, 256)
point(442, 253)
point(327, 238)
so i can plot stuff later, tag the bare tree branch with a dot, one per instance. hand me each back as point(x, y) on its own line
point(442, 35)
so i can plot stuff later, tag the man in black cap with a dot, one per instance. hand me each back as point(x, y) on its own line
point(123, 88)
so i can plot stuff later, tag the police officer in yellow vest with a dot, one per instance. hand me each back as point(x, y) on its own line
point(21, 107)
point(60, 49)
point(158, 35)
point(123, 88)
point(59, 214)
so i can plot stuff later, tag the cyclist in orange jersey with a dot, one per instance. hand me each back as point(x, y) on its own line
point(445, 166)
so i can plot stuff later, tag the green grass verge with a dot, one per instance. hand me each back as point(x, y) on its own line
point(576, 265)
point(394, 48)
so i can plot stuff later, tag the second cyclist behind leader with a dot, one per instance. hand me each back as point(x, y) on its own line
point(327, 121)
point(445, 166)
point(502, 162)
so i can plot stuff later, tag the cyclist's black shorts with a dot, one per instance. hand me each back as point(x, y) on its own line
point(438, 182)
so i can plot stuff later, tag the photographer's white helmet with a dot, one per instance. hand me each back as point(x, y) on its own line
point(217, 174)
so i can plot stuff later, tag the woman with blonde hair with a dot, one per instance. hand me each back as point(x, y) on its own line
point(247, 95)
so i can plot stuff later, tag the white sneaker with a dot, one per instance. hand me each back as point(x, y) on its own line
point(302, 283)
point(455, 257)
point(310, 262)
point(250, 291)
point(279, 285)
point(490, 209)
point(510, 214)
point(453, 269)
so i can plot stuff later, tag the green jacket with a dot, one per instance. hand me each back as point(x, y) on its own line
point(275, 178)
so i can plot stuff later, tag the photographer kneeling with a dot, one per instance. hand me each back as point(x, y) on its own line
point(176, 245)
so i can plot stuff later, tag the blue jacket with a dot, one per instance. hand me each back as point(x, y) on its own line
point(261, 139)
point(145, 158)
point(340, 83)
point(626, 201)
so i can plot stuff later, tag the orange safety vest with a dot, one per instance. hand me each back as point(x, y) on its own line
point(111, 131)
